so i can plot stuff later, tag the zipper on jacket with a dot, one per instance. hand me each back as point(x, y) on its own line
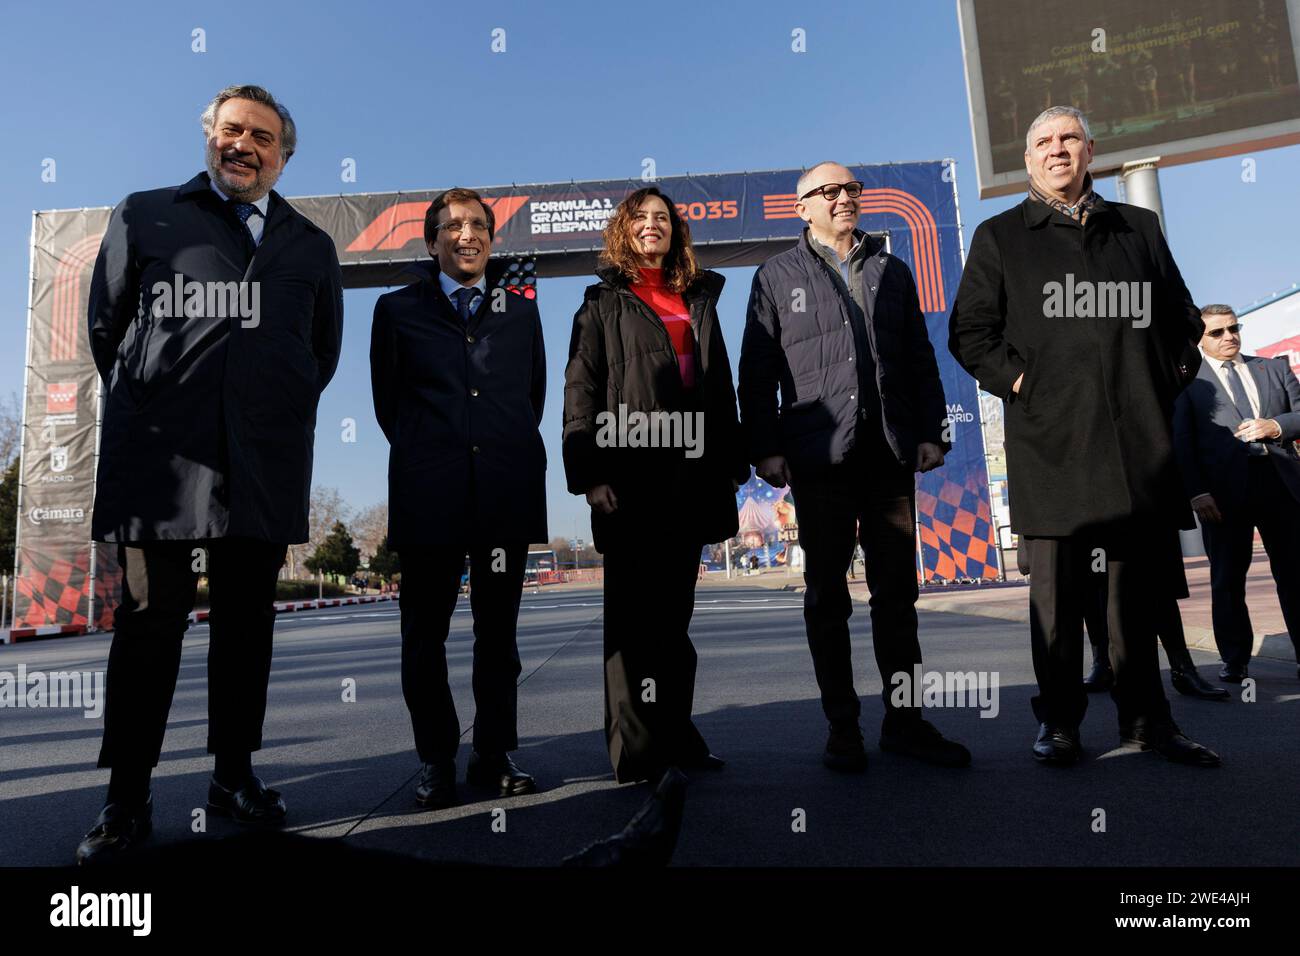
point(659, 323)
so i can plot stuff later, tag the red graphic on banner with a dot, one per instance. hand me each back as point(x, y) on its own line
point(60, 398)
point(66, 330)
point(925, 234)
point(404, 221)
point(1288, 349)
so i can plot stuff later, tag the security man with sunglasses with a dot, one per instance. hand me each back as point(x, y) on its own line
point(1235, 429)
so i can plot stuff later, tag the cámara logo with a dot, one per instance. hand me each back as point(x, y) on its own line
point(39, 515)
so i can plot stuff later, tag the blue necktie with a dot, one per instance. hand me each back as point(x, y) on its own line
point(1237, 390)
point(243, 210)
point(463, 299)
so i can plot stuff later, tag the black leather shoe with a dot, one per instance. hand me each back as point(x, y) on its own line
point(1173, 745)
point(921, 739)
point(1101, 678)
point(650, 837)
point(436, 788)
point(498, 770)
point(845, 751)
point(704, 762)
point(252, 802)
point(1058, 746)
point(1187, 681)
point(1233, 673)
point(117, 830)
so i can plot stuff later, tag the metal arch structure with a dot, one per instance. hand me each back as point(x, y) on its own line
point(65, 583)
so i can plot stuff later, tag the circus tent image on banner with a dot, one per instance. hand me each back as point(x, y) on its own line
point(768, 534)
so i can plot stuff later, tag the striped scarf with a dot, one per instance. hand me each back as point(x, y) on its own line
point(1079, 211)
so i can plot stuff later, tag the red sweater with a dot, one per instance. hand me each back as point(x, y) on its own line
point(672, 311)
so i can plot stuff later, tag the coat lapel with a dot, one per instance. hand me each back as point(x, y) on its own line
point(275, 236)
point(1222, 398)
point(1257, 372)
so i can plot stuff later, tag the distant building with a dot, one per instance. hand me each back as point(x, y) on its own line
point(1271, 326)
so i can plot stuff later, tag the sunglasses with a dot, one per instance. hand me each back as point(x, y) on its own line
point(1218, 333)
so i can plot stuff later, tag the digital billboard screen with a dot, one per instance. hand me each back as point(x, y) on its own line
point(1179, 79)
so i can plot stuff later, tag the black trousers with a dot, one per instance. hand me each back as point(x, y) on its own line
point(1065, 575)
point(1167, 616)
point(649, 658)
point(1230, 545)
point(871, 499)
point(159, 584)
point(430, 585)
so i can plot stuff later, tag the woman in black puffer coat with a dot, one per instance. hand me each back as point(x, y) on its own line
point(651, 437)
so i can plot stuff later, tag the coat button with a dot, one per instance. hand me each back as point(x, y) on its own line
point(850, 358)
point(474, 449)
point(873, 288)
point(474, 392)
point(851, 395)
point(846, 321)
point(469, 339)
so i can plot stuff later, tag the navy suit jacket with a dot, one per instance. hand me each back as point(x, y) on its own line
point(460, 405)
point(1212, 460)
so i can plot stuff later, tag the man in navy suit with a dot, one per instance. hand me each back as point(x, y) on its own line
point(458, 371)
point(1235, 429)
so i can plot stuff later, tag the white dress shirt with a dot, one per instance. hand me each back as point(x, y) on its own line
point(256, 222)
point(1242, 380)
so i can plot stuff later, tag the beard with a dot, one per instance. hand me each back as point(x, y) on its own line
point(243, 191)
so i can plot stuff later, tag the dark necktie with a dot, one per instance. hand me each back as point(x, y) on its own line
point(1237, 390)
point(242, 211)
point(463, 299)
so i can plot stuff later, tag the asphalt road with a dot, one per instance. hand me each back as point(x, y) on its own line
point(347, 768)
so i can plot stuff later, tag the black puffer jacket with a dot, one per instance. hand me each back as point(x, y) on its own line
point(798, 338)
point(621, 355)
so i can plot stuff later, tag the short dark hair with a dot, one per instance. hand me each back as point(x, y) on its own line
point(288, 128)
point(445, 199)
point(1217, 309)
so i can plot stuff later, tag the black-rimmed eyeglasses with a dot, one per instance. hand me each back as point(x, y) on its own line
point(831, 191)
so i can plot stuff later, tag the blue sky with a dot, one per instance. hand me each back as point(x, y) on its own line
point(413, 93)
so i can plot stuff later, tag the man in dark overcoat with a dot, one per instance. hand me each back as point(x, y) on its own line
point(216, 318)
point(1072, 310)
point(458, 372)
